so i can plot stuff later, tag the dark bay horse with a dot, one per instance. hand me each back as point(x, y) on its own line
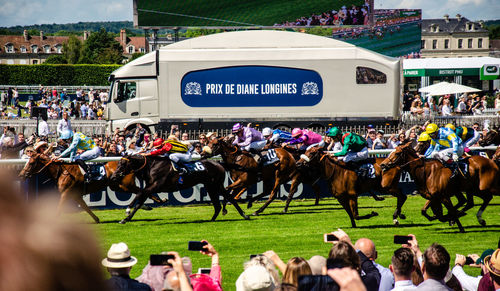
point(343, 183)
point(430, 176)
point(482, 180)
point(245, 171)
point(70, 180)
point(160, 176)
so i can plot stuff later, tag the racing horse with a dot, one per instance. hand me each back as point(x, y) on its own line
point(431, 178)
point(344, 184)
point(160, 176)
point(482, 180)
point(70, 180)
point(245, 171)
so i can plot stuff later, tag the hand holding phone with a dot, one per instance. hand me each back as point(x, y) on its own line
point(196, 245)
point(402, 239)
point(160, 260)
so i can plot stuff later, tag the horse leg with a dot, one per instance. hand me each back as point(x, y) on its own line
point(486, 200)
point(353, 203)
point(254, 198)
point(374, 196)
point(141, 198)
point(132, 204)
point(214, 197)
point(468, 205)
point(268, 188)
point(317, 192)
point(401, 199)
point(272, 196)
point(461, 199)
point(83, 205)
point(293, 189)
point(229, 198)
point(452, 213)
point(345, 204)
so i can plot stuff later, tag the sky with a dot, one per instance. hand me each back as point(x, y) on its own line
point(27, 12)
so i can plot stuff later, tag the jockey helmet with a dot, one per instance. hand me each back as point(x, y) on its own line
point(67, 134)
point(237, 127)
point(296, 132)
point(424, 136)
point(431, 128)
point(158, 142)
point(267, 131)
point(450, 126)
point(334, 131)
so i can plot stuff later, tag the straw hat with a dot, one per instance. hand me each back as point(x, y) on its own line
point(40, 144)
point(119, 257)
point(493, 263)
point(255, 278)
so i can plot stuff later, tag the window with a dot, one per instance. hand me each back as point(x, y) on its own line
point(422, 44)
point(23, 49)
point(469, 43)
point(46, 49)
point(142, 50)
point(34, 49)
point(59, 48)
point(479, 43)
point(434, 44)
point(446, 43)
point(130, 49)
point(460, 43)
point(35, 62)
point(9, 48)
point(126, 91)
point(366, 75)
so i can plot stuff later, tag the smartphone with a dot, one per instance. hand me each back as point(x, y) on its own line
point(401, 239)
point(330, 237)
point(253, 256)
point(196, 245)
point(317, 282)
point(160, 260)
point(204, 271)
point(334, 264)
point(469, 261)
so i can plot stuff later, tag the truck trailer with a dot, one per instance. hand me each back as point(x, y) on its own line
point(271, 78)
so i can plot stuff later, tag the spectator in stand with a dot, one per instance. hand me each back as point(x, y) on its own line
point(10, 147)
point(435, 266)
point(64, 123)
point(43, 127)
point(370, 137)
point(203, 139)
point(379, 143)
point(468, 282)
point(491, 279)
point(446, 109)
point(462, 106)
point(119, 262)
point(113, 150)
point(295, 268)
point(416, 107)
point(10, 93)
point(497, 103)
point(402, 267)
point(15, 97)
point(84, 109)
point(259, 274)
point(367, 246)
point(185, 139)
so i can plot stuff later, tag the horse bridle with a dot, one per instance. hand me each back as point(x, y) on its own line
point(141, 167)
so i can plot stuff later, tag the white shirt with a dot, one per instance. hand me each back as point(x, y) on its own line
point(468, 283)
point(404, 285)
point(386, 278)
point(63, 125)
point(43, 128)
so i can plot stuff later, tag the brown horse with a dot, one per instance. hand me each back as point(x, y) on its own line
point(245, 171)
point(482, 180)
point(431, 177)
point(343, 183)
point(70, 180)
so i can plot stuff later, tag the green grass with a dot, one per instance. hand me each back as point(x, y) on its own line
point(299, 233)
point(260, 13)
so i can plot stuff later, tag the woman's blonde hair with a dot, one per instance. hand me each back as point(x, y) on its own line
point(295, 268)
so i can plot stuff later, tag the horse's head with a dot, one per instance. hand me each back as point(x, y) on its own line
point(399, 156)
point(221, 146)
point(491, 137)
point(422, 147)
point(311, 156)
point(35, 165)
point(124, 167)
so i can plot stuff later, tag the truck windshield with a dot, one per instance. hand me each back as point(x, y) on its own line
point(126, 91)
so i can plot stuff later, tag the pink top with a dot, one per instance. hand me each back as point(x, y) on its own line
point(204, 282)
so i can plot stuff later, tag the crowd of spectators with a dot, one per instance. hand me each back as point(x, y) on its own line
point(427, 106)
point(354, 15)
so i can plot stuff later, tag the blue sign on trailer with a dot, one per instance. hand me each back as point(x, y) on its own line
point(251, 86)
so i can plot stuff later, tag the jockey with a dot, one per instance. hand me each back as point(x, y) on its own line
point(178, 152)
point(248, 139)
point(447, 144)
point(280, 136)
point(468, 135)
point(306, 137)
point(354, 146)
point(80, 142)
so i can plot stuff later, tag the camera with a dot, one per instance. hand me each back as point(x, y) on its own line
point(160, 260)
point(196, 245)
point(402, 239)
point(330, 237)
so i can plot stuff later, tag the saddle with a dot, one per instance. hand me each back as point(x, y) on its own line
point(460, 168)
point(96, 172)
point(189, 168)
point(364, 169)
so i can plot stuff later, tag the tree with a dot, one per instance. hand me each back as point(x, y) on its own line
point(101, 48)
point(135, 56)
point(56, 59)
point(72, 50)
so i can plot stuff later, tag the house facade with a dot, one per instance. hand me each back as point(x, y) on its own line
point(454, 38)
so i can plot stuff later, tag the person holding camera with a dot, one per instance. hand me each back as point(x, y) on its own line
point(468, 282)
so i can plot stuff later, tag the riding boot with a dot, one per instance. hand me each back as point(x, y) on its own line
point(257, 156)
point(85, 168)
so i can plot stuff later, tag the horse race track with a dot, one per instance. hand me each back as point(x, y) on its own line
point(299, 233)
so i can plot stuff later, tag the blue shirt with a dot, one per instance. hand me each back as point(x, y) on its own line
point(446, 138)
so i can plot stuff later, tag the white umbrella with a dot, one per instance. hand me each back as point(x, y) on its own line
point(444, 88)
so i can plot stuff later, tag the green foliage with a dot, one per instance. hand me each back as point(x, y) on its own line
point(111, 26)
point(56, 59)
point(494, 31)
point(135, 56)
point(200, 32)
point(321, 31)
point(72, 49)
point(299, 233)
point(49, 74)
point(101, 48)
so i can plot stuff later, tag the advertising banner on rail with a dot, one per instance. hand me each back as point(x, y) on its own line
point(108, 199)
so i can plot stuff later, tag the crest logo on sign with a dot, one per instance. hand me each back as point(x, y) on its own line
point(310, 88)
point(192, 88)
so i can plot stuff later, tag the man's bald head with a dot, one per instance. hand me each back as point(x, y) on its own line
point(366, 246)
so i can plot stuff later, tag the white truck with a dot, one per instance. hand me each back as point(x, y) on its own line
point(273, 78)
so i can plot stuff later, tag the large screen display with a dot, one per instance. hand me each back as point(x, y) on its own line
point(251, 13)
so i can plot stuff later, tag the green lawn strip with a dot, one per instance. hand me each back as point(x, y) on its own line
point(299, 233)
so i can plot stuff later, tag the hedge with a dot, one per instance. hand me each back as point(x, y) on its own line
point(52, 74)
